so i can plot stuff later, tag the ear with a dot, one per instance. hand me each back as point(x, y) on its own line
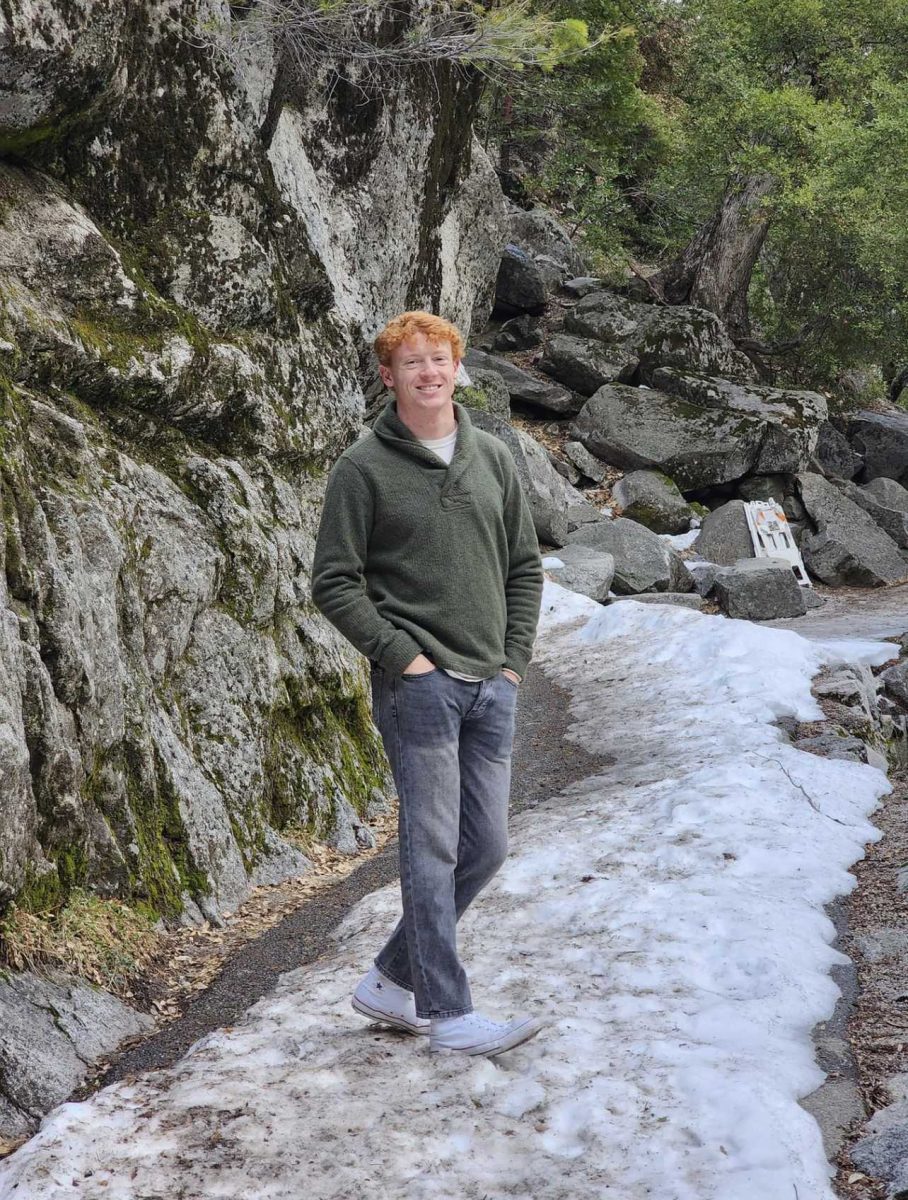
point(386, 377)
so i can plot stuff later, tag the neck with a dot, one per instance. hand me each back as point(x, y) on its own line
point(428, 425)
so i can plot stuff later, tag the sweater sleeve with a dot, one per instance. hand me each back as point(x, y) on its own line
point(523, 589)
point(338, 572)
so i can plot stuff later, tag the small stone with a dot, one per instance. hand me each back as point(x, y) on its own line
point(581, 285)
point(586, 463)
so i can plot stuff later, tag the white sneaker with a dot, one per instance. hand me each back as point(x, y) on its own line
point(475, 1034)
point(381, 1000)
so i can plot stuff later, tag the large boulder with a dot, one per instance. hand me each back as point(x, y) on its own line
point(583, 569)
point(848, 546)
point(760, 589)
point(519, 287)
point(701, 431)
point(690, 339)
point(882, 441)
point(643, 561)
point(605, 316)
point(522, 386)
point(893, 521)
point(649, 336)
point(725, 536)
point(581, 364)
point(698, 446)
point(551, 498)
point(790, 418)
point(835, 456)
point(538, 233)
point(888, 492)
point(653, 500)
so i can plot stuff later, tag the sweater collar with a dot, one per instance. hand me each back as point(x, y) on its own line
point(391, 429)
point(393, 432)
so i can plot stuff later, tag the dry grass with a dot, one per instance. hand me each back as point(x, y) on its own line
point(103, 941)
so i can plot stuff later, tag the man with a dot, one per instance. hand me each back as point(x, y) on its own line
point(427, 562)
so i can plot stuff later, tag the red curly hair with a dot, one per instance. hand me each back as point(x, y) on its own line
point(400, 328)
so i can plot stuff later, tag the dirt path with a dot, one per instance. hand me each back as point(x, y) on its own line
point(853, 613)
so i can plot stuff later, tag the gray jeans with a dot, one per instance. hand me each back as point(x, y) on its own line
point(449, 744)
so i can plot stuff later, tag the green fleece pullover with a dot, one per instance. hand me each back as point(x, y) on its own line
point(417, 556)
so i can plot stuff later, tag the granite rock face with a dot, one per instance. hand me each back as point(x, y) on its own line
point(186, 277)
point(189, 280)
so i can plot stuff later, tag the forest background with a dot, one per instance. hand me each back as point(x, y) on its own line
point(755, 151)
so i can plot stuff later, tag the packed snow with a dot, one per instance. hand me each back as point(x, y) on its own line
point(666, 914)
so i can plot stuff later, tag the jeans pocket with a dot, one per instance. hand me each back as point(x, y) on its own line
point(509, 680)
point(416, 676)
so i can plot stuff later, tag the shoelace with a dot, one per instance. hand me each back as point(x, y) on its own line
point(485, 1023)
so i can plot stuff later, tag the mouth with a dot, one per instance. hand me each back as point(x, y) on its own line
point(430, 389)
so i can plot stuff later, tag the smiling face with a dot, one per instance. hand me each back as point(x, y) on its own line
point(421, 375)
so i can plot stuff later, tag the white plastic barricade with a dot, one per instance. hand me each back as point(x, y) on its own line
point(772, 537)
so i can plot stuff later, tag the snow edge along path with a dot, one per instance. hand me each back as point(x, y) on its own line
point(668, 915)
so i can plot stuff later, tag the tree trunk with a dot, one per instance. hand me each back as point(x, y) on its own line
point(714, 269)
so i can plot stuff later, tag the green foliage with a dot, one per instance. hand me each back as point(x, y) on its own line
point(636, 144)
point(583, 139)
point(814, 94)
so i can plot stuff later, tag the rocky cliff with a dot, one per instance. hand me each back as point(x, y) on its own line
point(194, 253)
